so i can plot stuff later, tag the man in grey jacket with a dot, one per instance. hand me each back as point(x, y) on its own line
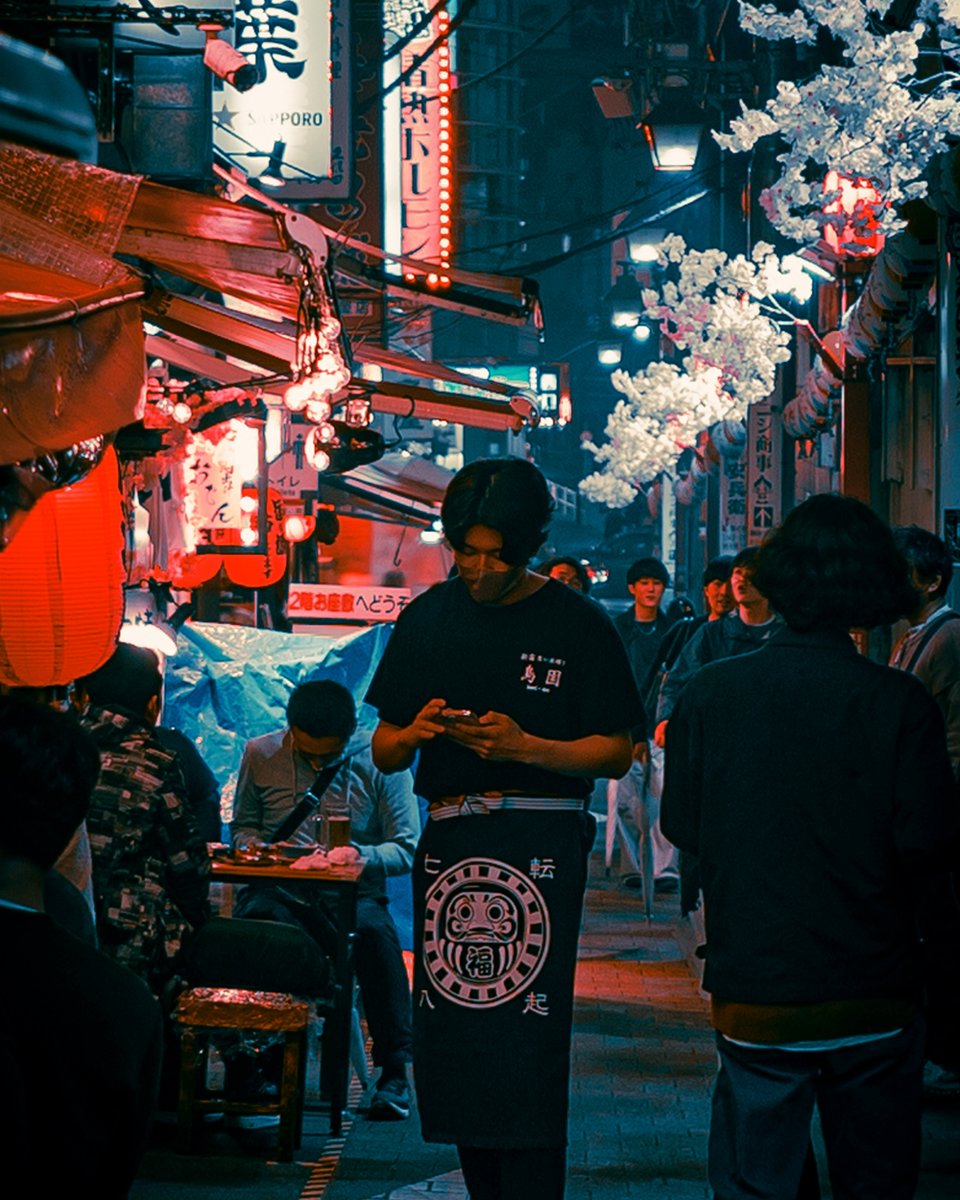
point(277, 769)
point(930, 650)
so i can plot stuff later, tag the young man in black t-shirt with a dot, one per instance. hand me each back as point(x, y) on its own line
point(512, 692)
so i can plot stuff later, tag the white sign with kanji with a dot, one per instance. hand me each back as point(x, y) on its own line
point(331, 602)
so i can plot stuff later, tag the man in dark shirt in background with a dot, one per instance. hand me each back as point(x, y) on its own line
point(642, 629)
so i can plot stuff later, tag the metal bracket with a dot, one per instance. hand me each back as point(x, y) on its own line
point(307, 233)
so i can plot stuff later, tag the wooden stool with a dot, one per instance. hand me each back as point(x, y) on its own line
point(202, 1009)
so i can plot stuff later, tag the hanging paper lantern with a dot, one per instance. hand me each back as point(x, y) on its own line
point(61, 583)
point(258, 570)
point(191, 570)
point(853, 215)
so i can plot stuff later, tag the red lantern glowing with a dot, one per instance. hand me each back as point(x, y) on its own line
point(61, 583)
point(259, 570)
point(192, 570)
point(852, 225)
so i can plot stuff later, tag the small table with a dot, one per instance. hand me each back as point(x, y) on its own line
point(342, 882)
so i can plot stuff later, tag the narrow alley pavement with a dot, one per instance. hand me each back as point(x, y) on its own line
point(643, 1062)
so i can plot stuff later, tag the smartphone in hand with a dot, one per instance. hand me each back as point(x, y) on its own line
point(459, 716)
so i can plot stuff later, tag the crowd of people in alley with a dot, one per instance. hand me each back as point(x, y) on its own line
point(795, 776)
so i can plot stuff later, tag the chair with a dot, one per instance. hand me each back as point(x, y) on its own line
point(202, 1010)
point(254, 954)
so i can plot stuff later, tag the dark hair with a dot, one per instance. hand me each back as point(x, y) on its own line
point(679, 609)
point(717, 569)
point(322, 708)
point(833, 564)
point(50, 767)
point(567, 560)
point(506, 494)
point(129, 679)
point(926, 553)
point(744, 557)
point(648, 568)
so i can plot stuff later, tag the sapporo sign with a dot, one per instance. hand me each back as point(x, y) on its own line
point(302, 103)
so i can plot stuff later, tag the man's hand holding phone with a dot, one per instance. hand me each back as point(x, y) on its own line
point(459, 716)
point(493, 736)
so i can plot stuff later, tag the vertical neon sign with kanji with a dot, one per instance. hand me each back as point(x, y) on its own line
point(425, 155)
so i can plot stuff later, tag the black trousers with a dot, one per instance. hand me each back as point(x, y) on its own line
point(378, 959)
point(513, 1174)
point(868, 1097)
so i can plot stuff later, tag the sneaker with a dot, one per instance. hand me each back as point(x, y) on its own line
point(391, 1100)
point(941, 1082)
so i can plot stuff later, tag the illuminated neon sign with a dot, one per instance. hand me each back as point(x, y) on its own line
point(425, 150)
point(293, 127)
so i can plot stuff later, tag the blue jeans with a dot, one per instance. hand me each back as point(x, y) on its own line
point(868, 1097)
point(378, 960)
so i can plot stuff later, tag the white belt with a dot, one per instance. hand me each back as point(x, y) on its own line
point(482, 806)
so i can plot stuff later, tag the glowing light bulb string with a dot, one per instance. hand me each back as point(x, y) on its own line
point(320, 370)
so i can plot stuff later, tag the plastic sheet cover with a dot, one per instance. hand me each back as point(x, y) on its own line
point(229, 683)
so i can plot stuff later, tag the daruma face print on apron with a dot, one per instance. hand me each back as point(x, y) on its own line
point(486, 932)
point(498, 901)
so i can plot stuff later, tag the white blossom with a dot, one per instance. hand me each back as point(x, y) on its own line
point(869, 117)
point(723, 316)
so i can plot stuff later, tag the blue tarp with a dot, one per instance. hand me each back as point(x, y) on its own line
point(229, 683)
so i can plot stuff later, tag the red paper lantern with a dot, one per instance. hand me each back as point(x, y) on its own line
point(61, 583)
point(191, 570)
point(852, 227)
point(260, 570)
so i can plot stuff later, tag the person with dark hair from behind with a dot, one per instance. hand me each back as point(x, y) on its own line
point(566, 569)
point(513, 693)
point(277, 769)
point(680, 609)
point(930, 650)
point(151, 869)
point(80, 1036)
point(812, 843)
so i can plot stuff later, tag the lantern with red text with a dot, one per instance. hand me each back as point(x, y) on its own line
point(256, 570)
point(61, 583)
point(852, 225)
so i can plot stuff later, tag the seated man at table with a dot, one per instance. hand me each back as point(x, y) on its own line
point(277, 769)
point(80, 1036)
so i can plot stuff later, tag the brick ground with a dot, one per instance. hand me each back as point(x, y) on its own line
point(643, 1062)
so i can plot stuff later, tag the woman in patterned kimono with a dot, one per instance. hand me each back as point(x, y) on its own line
point(512, 692)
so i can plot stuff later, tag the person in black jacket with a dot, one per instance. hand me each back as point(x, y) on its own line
point(80, 1036)
point(815, 786)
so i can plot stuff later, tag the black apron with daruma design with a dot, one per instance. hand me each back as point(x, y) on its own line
point(498, 899)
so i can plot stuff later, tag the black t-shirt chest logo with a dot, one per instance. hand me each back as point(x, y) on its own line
point(541, 672)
